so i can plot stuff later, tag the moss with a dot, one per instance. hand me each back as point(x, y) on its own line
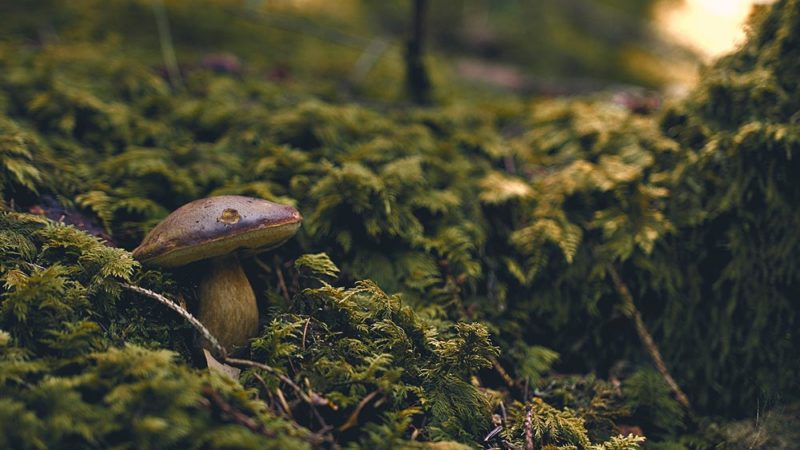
point(453, 255)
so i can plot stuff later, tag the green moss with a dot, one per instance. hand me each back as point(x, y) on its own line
point(466, 238)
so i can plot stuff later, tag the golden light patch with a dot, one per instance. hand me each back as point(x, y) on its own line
point(712, 27)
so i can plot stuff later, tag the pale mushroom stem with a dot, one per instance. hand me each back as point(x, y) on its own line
point(227, 302)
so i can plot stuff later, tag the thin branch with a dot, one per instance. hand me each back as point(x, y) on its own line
point(529, 428)
point(281, 280)
point(306, 27)
point(493, 433)
point(315, 399)
point(283, 402)
point(167, 48)
point(266, 368)
point(325, 427)
point(262, 265)
point(215, 399)
point(503, 373)
point(305, 333)
point(647, 339)
point(215, 345)
point(369, 57)
point(353, 419)
point(525, 389)
point(264, 385)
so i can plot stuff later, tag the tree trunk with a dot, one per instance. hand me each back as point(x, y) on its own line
point(417, 81)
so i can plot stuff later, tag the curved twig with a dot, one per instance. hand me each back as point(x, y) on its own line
point(312, 398)
point(216, 346)
point(647, 339)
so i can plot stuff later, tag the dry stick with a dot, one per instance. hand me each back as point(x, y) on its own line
point(266, 368)
point(529, 428)
point(235, 415)
point(312, 400)
point(263, 265)
point(283, 402)
point(167, 49)
point(264, 384)
point(647, 339)
point(212, 398)
point(305, 27)
point(217, 347)
point(281, 280)
point(277, 409)
point(369, 57)
point(503, 373)
point(213, 341)
point(353, 419)
point(305, 333)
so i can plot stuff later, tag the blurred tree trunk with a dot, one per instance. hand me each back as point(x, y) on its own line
point(417, 81)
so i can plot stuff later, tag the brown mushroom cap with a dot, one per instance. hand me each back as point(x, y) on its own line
point(217, 226)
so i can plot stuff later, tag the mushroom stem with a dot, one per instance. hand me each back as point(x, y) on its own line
point(227, 302)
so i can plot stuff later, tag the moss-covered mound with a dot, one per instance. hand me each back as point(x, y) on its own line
point(476, 248)
point(738, 239)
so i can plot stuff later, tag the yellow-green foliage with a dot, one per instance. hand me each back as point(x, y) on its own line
point(551, 428)
point(70, 365)
point(487, 233)
point(17, 149)
point(68, 379)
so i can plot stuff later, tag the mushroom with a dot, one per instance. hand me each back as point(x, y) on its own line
point(215, 232)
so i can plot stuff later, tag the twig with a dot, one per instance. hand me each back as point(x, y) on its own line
point(283, 402)
point(503, 373)
point(529, 427)
point(325, 427)
point(507, 379)
point(305, 333)
point(215, 345)
point(353, 419)
point(306, 27)
point(281, 280)
point(234, 414)
point(369, 57)
point(493, 433)
point(318, 399)
point(167, 49)
point(266, 368)
point(263, 265)
point(264, 384)
point(525, 390)
point(508, 445)
point(647, 339)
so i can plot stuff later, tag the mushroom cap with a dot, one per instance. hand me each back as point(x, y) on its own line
point(218, 226)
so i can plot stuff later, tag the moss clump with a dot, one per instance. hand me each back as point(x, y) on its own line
point(740, 135)
point(73, 371)
point(84, 366)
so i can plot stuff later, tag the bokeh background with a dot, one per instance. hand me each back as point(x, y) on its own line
point(541, 47)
